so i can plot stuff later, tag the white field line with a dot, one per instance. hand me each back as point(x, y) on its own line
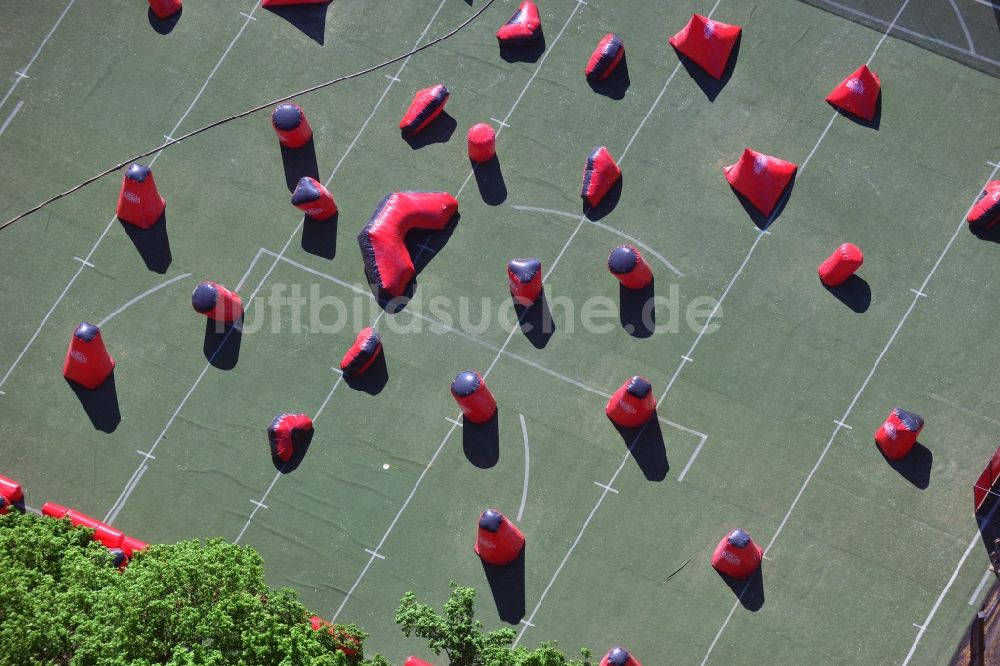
point(125, 495)
point(965, 28)
point(10, 117)
point(111, 222)
point(23, 73)
point(141, 296)
point(527, 463)
point(979, 588)
point(680, 367)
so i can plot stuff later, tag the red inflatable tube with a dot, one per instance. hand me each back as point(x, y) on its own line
point(482, 143)
point(283, 432)
point(841, 265)
point(899, 433)
point(707, 43)
point(619, 656)
point(11, 489)
point(858, 93)
point(348, 644)
point(629, 267)
point(599, 175)
point(473, 397)
point(109, 536)
point(366, 348)
point(605, 58)
point(216, 302)
point(87, 361)
point(761, 178)
point(427, 105)
point(524, 277)
point(131, 545)
point(986, 212)
point(165, 8)
point(290, 124)
point(139, 202)
point(737, 555)
point(313, 199)
point(82, 520)
point(413, 661)
point(387, 261)
point(524, 26)
point(498, 541)
point(632, 404)
point(53, 510)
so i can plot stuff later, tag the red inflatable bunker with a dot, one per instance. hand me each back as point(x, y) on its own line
point(87, 362)
point(858, 93)
point(629, 267)
point(313, 199)
point(347, 643)
point(139, 202)
point(131, 545)
point(599, 175)
point(427, 105)
point(387, 261)
point(290, 124)
point(366, 348)
point(632, 404)
point(899, 433)
point(523, 26)
point(473, 397)
point(737, 555)
point(986, 212)
point(283, 3)
point(216, 302)
point(482, 143)
point(165, 8)
point(760, 178)
point(605, 58)
point(10, 490)
point(708, 43)
point(413, 661)
point(498, 541)
point(524, 277)
point(619, 656)
point(841, 265)
point(286, 432)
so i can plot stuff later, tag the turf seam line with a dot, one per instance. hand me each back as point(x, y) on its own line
point(107, 228)
point(23, 73)
point(17, 107)
point(405, 57)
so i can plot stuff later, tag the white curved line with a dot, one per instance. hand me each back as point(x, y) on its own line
point(527, 460)
point(141, 296)
point(965, 28)
point(575, 216)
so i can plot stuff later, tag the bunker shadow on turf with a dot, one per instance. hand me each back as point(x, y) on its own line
point(645, 445)
point(299, 162)
point(915, 466)
point(152, 243)
point(507, 585)
point(163, 26)
point(855, 293)
point(481, 442)
point(309, 19)
point(760, 220)
point(221, 345)
point(300, 445)
point(372, 380)
point(616, 85)
point(529, 51)
point(440, 130)
point(749, 592)
point(607, 204)
point(100, 404)
point(637, 310)
point(709, 85)
point(489, 179)
point(319, 237)
point(536, 322)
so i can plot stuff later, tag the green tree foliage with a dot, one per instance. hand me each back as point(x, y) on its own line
point(63, 602)
point(460, 636)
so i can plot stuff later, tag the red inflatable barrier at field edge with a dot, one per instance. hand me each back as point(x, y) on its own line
point(858, 93)
point(760, 178)
point(165, 8)
point(285, 3)
point(53, 510)
point(708, 43)
point(131, 545)
point(348, 644)
point(109, 536)
point(413, 661)
point(290, 124)
point(523, 26)
point(139, 202)
point(427, 105)
point(283, 433)
point(216, 302)
point(313, 199)
point(524, 276)
point(899, 433)
point(986, 212)
point(632, 404)
point(473, 397)
point(628, 265)
point(605, 58)
point(841, 265)
point(387, 262)
point(599, 175)
point(366, 348)
point(498, 541)
point(87, 361)
point(11, 490)
point(619, 656)
point(737, 555)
